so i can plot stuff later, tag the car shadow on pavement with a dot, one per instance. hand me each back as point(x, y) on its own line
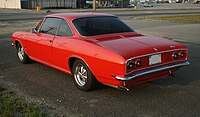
point(185, 75)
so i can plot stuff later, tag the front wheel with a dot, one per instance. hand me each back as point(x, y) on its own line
point(23, 57)
point(83, 77)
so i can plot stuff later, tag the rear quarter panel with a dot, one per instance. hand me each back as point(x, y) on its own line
point(102, 62)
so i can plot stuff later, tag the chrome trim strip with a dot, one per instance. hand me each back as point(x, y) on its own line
point(155, 66)
point(156, 53)
point(151, 71)
point(161, 52)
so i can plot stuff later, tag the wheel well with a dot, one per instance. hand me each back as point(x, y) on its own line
point(71, 62)
point(16, 43)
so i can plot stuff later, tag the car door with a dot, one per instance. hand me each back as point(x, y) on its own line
point(61, 50)
point(40, 43)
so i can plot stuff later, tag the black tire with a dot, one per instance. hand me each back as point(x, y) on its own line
point(22, 56)
point(86, 80)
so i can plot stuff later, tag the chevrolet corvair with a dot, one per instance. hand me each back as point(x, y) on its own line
point(99, 48)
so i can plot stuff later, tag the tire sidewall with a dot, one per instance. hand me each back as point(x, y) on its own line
point(89, 81)
point(25, 57)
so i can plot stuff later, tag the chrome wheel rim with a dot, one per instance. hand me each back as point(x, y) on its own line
point(21, 53)
point(80, 75)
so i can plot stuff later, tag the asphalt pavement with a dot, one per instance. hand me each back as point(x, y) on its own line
point(23, 15)
point(56, 94)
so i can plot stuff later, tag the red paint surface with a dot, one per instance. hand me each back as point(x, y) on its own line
point(105, 55)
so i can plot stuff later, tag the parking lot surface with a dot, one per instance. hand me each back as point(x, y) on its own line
point(55, 92)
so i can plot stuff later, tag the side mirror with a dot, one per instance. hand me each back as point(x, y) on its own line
point(33, 30)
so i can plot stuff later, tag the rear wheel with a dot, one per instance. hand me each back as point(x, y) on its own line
point(83, 77)
point(23, 57)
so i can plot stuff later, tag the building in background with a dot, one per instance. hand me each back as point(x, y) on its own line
point(46, 4)
point(112, 3)
point(14, 4)
point(53, 4)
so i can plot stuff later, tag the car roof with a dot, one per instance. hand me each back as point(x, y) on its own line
point(77, 15)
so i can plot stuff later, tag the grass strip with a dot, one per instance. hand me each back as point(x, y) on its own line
point(12, 107)
point(179, 18)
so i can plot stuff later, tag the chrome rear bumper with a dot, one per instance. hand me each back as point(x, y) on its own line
point(151, 71)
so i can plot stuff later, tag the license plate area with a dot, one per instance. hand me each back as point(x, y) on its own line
point(154, 59)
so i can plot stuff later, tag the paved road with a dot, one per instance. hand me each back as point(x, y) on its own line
point(19, 15)
point(55, 91)
point(187, 32)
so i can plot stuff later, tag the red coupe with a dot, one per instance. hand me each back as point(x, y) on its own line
point(99, 48)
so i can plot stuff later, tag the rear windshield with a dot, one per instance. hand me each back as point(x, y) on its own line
point(91, 26)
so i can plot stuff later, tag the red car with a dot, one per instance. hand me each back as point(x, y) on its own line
point(99, 48)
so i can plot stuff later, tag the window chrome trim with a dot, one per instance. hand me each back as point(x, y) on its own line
point(41, 24)
point(58, 25)
point(157, 69)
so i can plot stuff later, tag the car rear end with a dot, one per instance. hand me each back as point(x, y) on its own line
point(152, 66)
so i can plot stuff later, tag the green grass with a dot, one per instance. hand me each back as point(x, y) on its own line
point(10, 106)
point(179, 18)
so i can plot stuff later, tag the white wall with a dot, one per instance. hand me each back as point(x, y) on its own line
point(14, 4)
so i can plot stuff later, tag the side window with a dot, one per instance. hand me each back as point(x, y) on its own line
point(50, 26)
point(64, 29)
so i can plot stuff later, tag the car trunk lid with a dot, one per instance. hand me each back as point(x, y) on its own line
point(134, 44)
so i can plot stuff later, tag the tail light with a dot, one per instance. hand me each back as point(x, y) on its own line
point(138, 63)
point(130, 65)
point(181, 54)
point(174, 55)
